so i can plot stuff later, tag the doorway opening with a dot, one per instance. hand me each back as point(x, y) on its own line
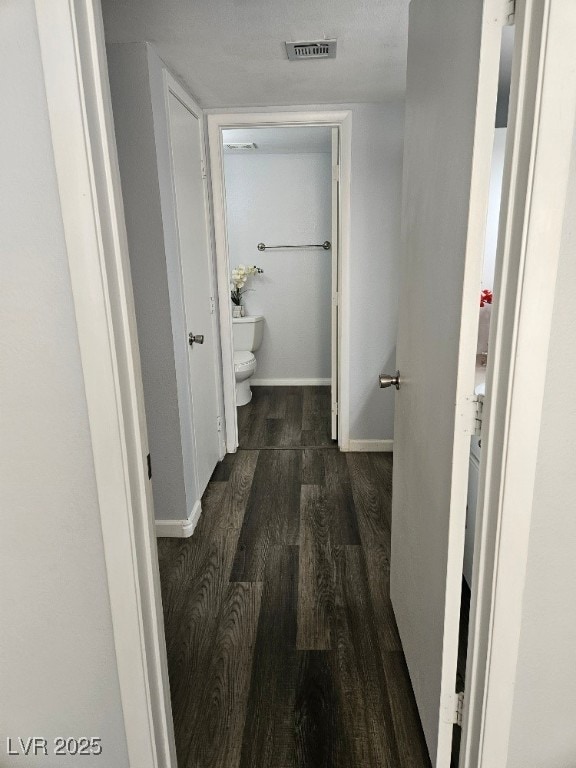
point(281, 210)
point(283, 248)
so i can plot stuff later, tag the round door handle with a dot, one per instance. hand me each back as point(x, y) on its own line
point(195, 338)
point(386, 380)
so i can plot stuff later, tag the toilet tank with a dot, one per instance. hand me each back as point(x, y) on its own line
point(247, 333)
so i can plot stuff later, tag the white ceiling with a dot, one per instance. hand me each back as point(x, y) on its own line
point(230, 53)
point(282, 141)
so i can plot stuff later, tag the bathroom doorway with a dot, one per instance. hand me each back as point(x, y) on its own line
point(281, 205)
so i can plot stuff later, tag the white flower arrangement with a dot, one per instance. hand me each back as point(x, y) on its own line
point(240, 275)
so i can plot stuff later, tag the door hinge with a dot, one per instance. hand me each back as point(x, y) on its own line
point(473, 422)
point(149, 465)
point(335, 173)
point(212, 305)
point(458, 708)
point(219, 423)
point(509, 12)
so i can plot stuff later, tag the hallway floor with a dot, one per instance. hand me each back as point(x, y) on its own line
point(282, 646)
point(286, 417)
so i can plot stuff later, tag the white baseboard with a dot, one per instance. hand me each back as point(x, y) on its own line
point(364, 446)
point(290, 382)
point(180, 529)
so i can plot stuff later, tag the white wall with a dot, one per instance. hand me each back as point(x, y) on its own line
point(543, 731)
point(376, 189)
point(57, 659)
point(284, 199)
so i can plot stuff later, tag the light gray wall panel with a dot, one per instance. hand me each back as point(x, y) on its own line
point(58, 674)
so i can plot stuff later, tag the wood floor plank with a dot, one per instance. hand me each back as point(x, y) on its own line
point(316, 422)
point(317, 720)
point(372, 500)
point(362, 684)
point(313, 467)
point(412, 750)
point(291, 433)
point(372, 504)
point(204, 572)
point(224, 468)
point(269, 731)
point(201, 570)
point(190, 634)
point(273, 433)
point(243, 415)
point(272, 513)
point(316, 577)
point(382, 466)
point(277, 403)
point(227, 512)
point(182, 574)
point(339, 490)
point(286, 417)
point(219, 714)
point(253, 419)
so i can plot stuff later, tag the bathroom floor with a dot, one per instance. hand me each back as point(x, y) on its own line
point(283, 651)
point(285, 417)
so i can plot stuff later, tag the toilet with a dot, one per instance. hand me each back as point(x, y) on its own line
point(247, 337)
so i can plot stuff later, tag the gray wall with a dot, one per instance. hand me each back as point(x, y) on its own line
point(376, 190)
point(543, 731)
point(284, 198)
point(57, 659)
point(136, 82)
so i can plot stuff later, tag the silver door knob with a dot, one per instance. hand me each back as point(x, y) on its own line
point(195, 338)
point(386, 380)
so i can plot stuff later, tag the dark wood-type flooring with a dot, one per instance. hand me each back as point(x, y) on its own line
point(286, 417)
point(283, 651)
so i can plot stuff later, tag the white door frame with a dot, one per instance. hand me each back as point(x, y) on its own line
point(216, 124)
point(78, 96)
point(539, 142)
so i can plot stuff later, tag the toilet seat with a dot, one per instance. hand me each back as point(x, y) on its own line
point(243, 361)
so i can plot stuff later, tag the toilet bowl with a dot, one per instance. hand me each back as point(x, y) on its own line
point(244, 369)
point(247, 337)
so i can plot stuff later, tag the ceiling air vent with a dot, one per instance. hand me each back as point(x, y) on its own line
point(320, 49)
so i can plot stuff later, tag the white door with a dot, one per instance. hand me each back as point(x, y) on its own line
point(453, 57)
point(196, 268)
point(335, 278)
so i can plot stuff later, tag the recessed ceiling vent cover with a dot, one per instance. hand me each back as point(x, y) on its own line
point(319, 49)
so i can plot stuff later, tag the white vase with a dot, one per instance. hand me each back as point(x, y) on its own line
point(237, 310)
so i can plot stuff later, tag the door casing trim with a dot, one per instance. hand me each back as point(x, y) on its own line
point(216, 124)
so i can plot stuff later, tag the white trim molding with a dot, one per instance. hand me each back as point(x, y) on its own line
point(217, 122)
point(370, 446)
point(73, 53)
point(180, 529)
point(290, 382)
